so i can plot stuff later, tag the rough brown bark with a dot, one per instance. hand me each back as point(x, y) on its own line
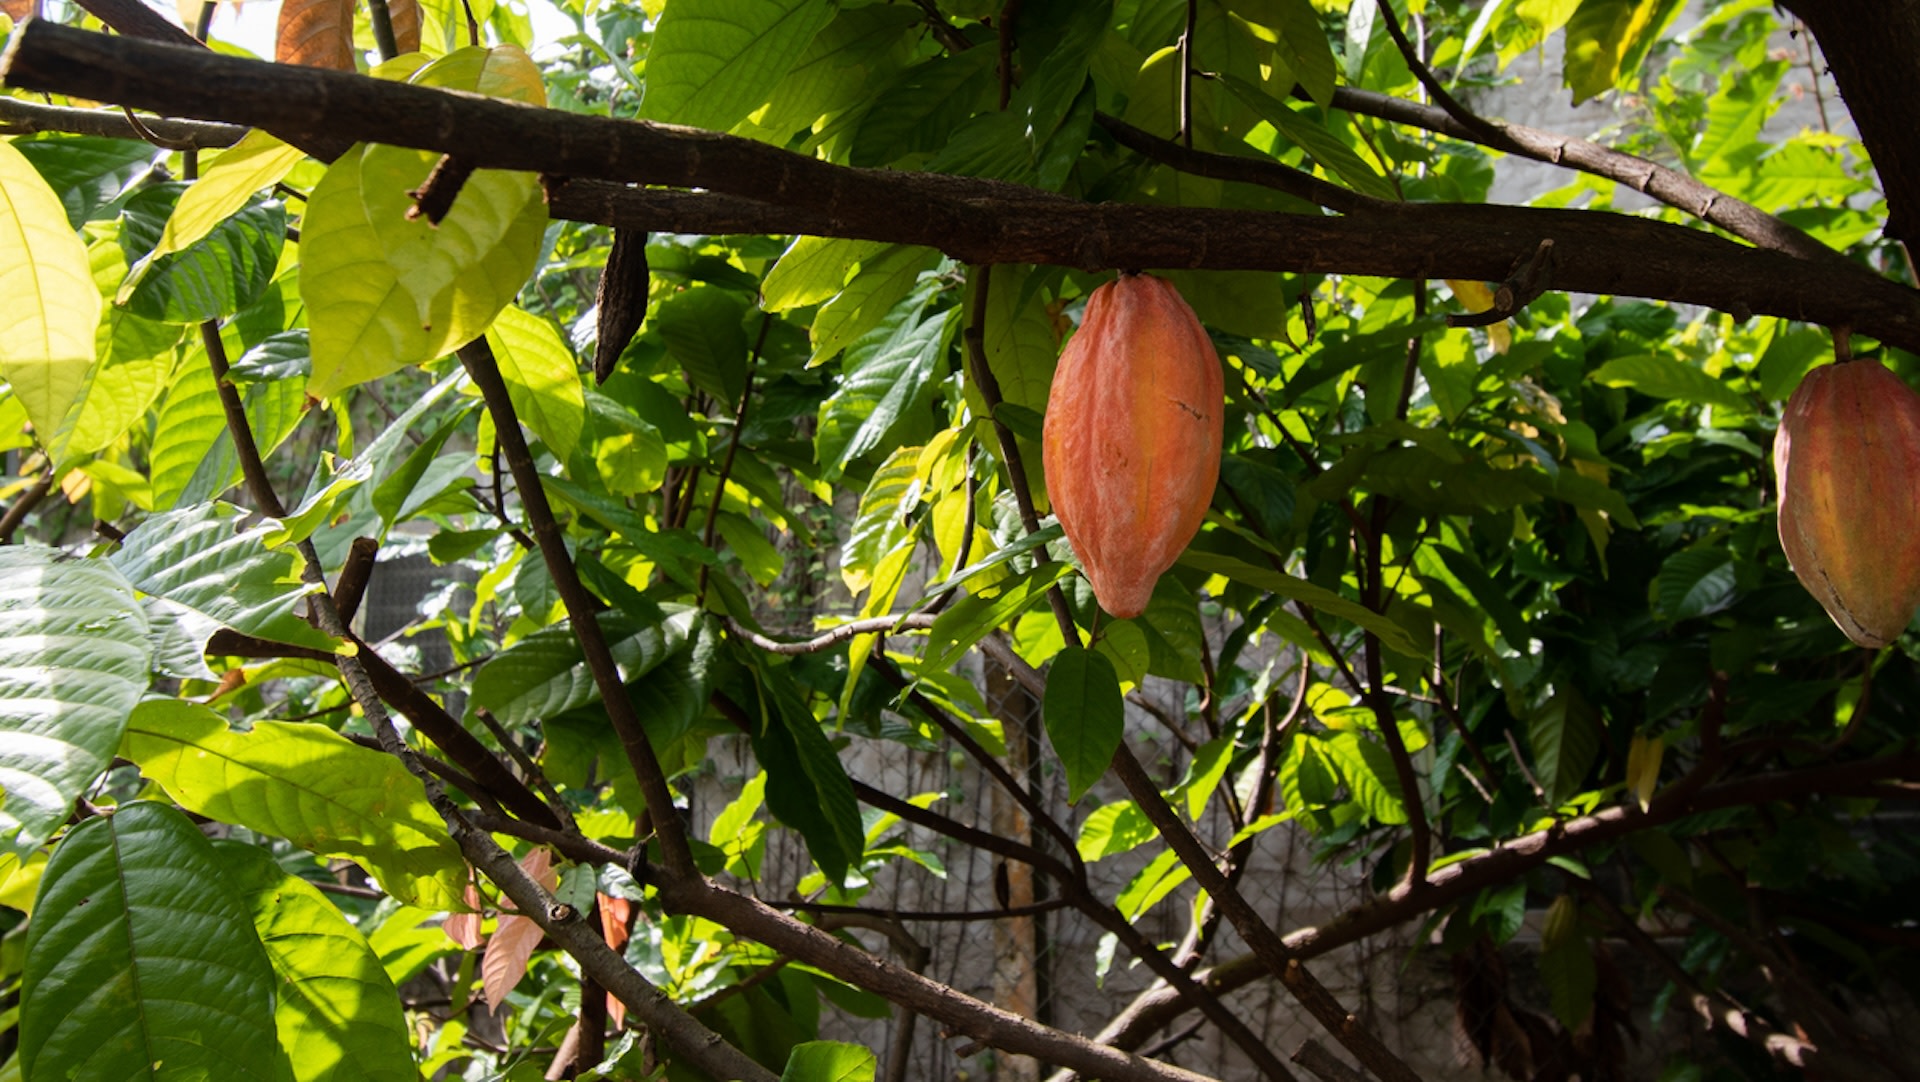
point(977, 221)
point(1873, 50)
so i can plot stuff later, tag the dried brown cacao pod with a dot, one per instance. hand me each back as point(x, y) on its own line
point(1132, 437)
point(1848, 460)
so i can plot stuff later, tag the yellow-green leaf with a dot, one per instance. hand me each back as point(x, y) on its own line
point(542, 377)
point(257, 161)
point(307, 784)
point(53, 308)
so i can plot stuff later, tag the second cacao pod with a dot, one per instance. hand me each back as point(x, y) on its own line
point(1132, 436)
point(1848, 461)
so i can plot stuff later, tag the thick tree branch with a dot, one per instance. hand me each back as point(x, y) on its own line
point(974, 220)
point(1873, 52)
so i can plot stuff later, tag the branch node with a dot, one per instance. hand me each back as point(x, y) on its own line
point(433, 199)
point(1530, 278)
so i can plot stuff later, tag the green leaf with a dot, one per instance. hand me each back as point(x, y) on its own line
point(136, 365)
point(1113, 829)
point(1695, 582)
point(1084, 714)
point(703, 331)
point(807, 788)
point(1022, 346)
point(53, 307)
point(828, 1061)
point(542, 377)
point(1568, 971)
point(1607, 39)
point(870, 297)
point(1305, 48)
point(258, 161)
point(712, 62)
point(887, 371)
point(545, 674)
point(1311, 136)
point(307, 784)
point(884, 521)
point(1368, 770)
point(140, 964)
point(1665, 377)
point(1162, 875)
point(1564, 734)
point(918, 111)
point(88, 174)
point(968, 620)
point(813, 269)
point(1391, 635)
point(338, 1015)
point(194, 559)
point(74, 648)
point(217, 275)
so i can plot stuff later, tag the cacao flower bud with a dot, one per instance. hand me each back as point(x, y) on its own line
point(1848, 460)
point(1132, 437)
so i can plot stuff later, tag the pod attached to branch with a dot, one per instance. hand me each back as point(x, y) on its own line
point(1132, 436)
point(1848, 459)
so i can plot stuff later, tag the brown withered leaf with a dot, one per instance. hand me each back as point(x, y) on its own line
point(406, 24)
point(317, 33)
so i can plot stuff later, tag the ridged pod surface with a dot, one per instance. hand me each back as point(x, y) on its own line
point(1848, 460)
point(1132, 438)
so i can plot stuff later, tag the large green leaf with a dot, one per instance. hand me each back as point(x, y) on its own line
point(887, 371)
point(196, 560)
point(921, 107)
point(807, 788)
point(1665, 377)
point(1607, 39)
point(870, 297)
point(73, 662)
point(136, 364)
point(1369, 774)
point(385, 290)
point(259, 160)
point(969, 619)
point(53, 307)
point(338, 1015)
point(545, 674)
point(811, 270)
point(542, 378)
point(1335, 156)
point(87, 173)
point(217, 275)
point(307, 784)
point(829, 1061)
point(1564, 735)
point(884, 521)
point(141, 965)
point(1084, 715)
point(703, 331)
point(714, 61)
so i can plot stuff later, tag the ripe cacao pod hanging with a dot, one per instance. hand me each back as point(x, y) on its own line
point(1132, 437)
point(1848, 461)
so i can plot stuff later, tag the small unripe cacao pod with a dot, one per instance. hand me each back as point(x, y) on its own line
point(1132, 437)
point(1848, 460)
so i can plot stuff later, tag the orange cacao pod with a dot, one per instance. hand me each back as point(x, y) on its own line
point(1132, 438)
point(1848, 460)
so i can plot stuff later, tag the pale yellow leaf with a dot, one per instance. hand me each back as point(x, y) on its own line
point(52, 308)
